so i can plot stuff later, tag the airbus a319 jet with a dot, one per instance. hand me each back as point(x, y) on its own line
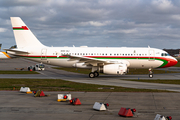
point(108, 60)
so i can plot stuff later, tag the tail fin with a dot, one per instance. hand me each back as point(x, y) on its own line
point(23, 35)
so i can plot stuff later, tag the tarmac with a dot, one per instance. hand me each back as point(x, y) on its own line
point(19, 106)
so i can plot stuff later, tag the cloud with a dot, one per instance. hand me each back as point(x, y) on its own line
point(3, 30)
point(95, 22)
point(129, 31)
point(163, 4)
point(12, 3)
point(175, 17)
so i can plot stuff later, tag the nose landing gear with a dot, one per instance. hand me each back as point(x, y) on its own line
point(150, 73)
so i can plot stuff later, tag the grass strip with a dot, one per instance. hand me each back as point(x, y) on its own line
point(177, 65)
point(146, 71)
point(61, 85)
point(177, 82)
point(18, 72)
point(131, 71)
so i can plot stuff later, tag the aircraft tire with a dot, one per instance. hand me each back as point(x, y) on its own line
point(96, 74)
point(150, 75)
point(91, 75)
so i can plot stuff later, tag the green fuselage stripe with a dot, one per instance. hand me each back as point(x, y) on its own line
point(18, 29)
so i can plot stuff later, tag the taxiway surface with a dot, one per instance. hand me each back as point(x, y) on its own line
point(112, 80)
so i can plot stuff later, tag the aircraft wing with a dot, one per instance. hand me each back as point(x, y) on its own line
point(88, 60)
point(17, 51)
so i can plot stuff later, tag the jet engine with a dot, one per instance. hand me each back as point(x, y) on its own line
point(116, 69)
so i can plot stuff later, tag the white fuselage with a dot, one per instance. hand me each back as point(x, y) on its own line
point(133, 57)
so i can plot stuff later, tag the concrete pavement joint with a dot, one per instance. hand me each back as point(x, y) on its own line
point(154, 100)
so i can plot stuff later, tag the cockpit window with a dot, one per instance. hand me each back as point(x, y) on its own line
point(165, 54)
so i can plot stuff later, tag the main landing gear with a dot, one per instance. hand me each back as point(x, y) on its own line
point(150, 73)
point(93, 74)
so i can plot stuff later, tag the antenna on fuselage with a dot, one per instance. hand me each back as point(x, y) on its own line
point(149, 46)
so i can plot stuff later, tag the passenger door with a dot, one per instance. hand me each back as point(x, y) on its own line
point(151, 55)
point(44, 54)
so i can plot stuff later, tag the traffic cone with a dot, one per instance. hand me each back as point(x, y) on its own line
point(42, 94)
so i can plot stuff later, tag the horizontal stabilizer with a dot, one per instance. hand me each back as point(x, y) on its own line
point(17, 51)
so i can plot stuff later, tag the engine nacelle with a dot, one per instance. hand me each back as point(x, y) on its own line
point(81, 65)
point(116, 69)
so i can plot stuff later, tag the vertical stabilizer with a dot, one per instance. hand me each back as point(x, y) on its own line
point(23, 35)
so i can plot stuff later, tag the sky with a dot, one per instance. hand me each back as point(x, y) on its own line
point(95, 23)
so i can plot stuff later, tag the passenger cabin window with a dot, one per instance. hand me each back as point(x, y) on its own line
point(165, 54)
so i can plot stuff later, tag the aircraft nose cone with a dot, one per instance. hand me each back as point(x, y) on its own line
point(172, 62)
point(175, 61)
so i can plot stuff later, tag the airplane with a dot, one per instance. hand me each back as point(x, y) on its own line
point(108, 60)
point(3, 55)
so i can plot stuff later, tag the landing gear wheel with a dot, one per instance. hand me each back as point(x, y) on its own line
point(150, 75)
point(96, 74)
point(91, 75)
